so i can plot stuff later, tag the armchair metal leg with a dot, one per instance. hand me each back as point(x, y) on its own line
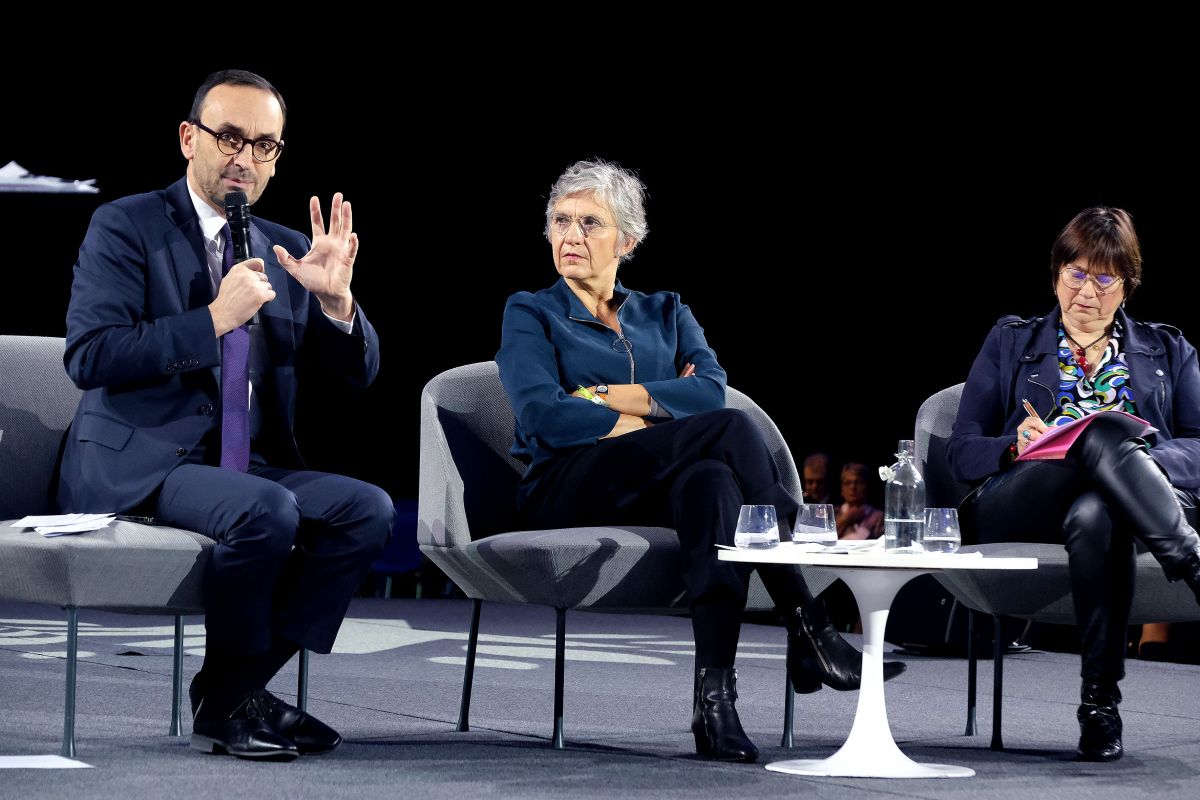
point(789, 706)
point(177, 681)
point(560, 657)
point(302, 680)
point(972, 673)
point(997, 683)
point(464, 706)
point(68, 745)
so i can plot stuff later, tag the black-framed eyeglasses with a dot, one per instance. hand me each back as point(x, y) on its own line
point(232, 143)
point(589, 224)
point(1074, 278)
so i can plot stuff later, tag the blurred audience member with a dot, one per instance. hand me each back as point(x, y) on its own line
point(857, 519)
point(816, 479)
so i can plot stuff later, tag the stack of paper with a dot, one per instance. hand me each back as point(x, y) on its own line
point(15, 178)
point(64, 524)
point(871, 546)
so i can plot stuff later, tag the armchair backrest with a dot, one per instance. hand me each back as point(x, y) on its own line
point(935, 421)
point(37, 402)
point(468, 480)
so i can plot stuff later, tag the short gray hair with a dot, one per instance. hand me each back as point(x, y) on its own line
point(611, 184)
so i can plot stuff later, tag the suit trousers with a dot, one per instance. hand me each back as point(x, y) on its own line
point(1103, 500)
point(691, 474)
point(292, 546)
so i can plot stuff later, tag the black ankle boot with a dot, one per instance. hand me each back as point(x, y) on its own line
point(1099, 723)
point(817, 654)
point(715, 722)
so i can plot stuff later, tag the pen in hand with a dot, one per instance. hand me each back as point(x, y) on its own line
point(1029, 435)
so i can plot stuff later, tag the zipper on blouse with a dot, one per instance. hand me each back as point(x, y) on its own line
point(625, 343)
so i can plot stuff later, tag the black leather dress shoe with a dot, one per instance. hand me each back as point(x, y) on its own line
point(310, 734)
point(244, 732)
point(196, 691)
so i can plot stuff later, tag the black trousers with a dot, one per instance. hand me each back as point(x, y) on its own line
point(291, 548)
point(1101, 501)
point(691, 474)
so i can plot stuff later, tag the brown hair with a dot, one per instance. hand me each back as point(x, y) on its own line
point(1106, 238)
point(857, 469)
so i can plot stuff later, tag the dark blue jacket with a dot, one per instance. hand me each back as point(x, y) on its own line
point(141, 344)
point(1020, 360)
point(551, 345)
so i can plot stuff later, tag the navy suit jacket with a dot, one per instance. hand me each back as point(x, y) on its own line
point(141, 344)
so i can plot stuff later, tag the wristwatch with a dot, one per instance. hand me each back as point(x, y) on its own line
point(602, 389)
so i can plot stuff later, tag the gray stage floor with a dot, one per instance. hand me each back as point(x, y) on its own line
point(392, 688)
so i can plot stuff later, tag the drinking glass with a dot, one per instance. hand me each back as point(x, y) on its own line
point(816, 522)
point(757, 528)
point(942, 534)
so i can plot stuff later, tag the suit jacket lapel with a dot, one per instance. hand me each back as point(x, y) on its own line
point(186, 243)
point(260, 247)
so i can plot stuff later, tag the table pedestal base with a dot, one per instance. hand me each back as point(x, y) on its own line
point(870, 751)
point(902, 767)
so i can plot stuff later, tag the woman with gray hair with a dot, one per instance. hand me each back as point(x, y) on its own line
point(620, 414)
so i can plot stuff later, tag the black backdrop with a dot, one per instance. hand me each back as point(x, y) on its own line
point(845, 244)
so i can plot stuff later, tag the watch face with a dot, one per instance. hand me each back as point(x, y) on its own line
point(602, 389)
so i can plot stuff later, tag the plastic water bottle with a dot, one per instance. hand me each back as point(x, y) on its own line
point(904, 504)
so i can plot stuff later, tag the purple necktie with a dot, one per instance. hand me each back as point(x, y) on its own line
point(235, 386)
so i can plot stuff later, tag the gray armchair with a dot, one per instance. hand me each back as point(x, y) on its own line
point(126, 567)
point(467, 527)
point(1041, 596)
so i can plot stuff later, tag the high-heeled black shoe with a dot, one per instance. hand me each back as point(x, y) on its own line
point(715, 722)
point(817, 654)
point(1099, 723)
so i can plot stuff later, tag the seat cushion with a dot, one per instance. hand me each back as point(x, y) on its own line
point(124, 567)
point(626, 568)
point(601, 568)
point(1044, 594)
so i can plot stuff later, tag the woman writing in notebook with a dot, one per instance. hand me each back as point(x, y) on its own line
point(1112, 487)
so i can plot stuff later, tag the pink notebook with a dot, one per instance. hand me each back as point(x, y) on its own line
point(1054, 443)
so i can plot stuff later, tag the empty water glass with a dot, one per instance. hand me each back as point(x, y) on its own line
point(816, 522)
point(757, 528)
point(942, 534)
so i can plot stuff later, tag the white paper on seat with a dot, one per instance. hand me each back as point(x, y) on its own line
point(63, 524)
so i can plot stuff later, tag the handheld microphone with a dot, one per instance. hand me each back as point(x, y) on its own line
point(237, 212)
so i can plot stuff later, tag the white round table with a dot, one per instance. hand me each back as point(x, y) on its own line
point(874, 577)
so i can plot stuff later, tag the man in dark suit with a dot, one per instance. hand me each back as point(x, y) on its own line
point(188, 408)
